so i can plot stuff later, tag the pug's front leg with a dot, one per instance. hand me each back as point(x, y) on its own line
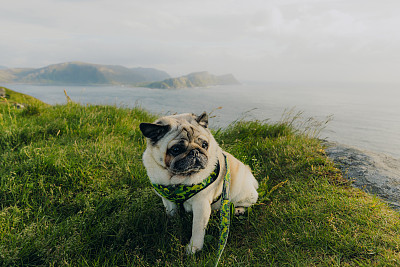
point(170, 207)
point(201, 215)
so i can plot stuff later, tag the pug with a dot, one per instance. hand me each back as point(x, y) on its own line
point(182, 151)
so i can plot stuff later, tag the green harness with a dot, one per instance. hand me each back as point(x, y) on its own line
point(180, 193)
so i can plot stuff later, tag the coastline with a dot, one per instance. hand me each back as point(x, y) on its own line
point(377, 174)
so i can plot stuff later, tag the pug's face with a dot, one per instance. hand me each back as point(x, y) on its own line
point(181, 143)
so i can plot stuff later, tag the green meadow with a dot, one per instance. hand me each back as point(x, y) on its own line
point(74, 192)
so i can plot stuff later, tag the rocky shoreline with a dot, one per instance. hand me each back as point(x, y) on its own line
point(374, 173)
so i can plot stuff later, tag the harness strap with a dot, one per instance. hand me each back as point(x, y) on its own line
point(179, 193)
point(225, 212)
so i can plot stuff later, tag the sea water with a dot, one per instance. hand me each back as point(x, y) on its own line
point(366, 116)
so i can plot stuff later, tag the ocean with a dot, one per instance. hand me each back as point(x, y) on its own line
point(364, 116)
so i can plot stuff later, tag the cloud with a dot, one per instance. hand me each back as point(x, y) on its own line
point(287, 39)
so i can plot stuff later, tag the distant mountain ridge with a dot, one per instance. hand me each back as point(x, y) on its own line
point(82, 73)
point(196, 79)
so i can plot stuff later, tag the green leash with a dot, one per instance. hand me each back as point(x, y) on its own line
point(224, 213)
point(180, 193)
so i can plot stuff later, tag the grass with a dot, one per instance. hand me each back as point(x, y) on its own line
point(13, 97)
point(74, 192)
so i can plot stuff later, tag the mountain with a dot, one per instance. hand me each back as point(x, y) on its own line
point(3, 67)
point(197, 79)
point(82, 73)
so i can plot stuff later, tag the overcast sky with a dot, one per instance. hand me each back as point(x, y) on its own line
point(285, 40)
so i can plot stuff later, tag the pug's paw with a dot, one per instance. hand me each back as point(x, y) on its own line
point(240, 210)
point(190, 249)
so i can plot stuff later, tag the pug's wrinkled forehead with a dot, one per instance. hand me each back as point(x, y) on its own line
point(166, 126)
point(186, 126)
point(185, 118)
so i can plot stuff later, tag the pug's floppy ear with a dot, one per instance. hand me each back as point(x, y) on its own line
point(203, 119)
point(154, 131)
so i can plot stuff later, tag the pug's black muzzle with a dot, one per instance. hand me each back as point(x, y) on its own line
point(193, 162)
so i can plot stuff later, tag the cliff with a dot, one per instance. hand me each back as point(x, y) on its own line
point(197, 79)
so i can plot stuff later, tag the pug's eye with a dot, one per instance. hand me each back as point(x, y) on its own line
point(204, 145)
point(176, 150)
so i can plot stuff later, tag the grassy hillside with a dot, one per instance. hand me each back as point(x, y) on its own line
point(15, 97)
point(197, 79)
point(73, 192)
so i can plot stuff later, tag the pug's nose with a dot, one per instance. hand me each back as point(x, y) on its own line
point(194, 153)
